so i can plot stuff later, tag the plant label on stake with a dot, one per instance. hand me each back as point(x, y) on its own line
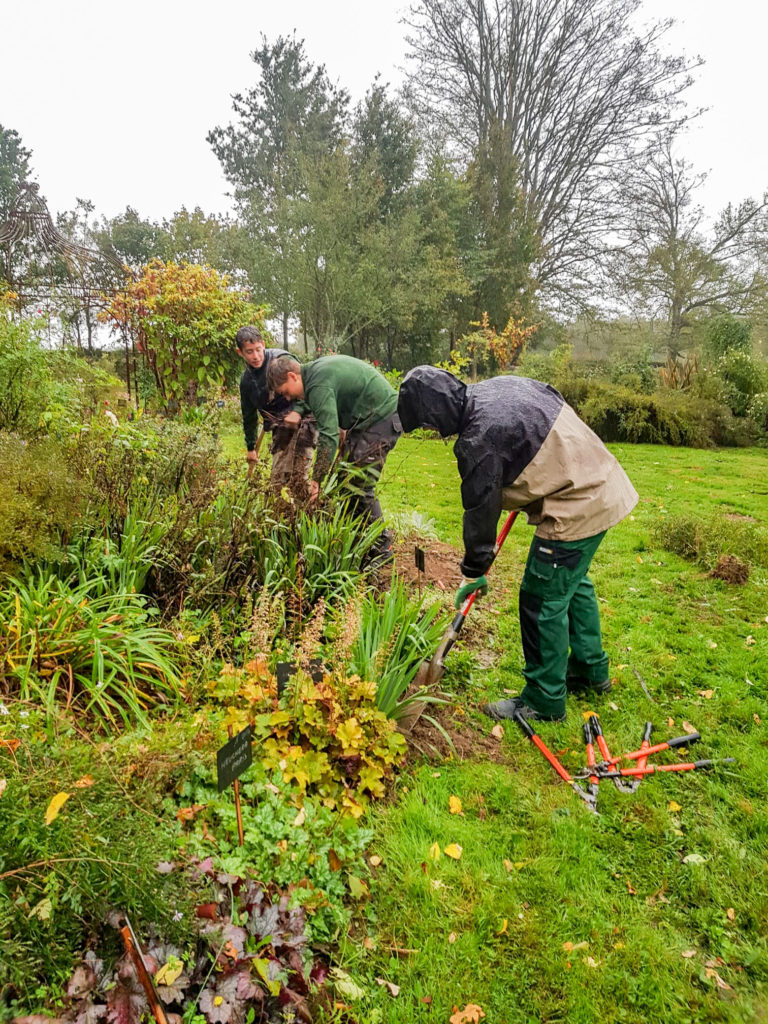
point(231, 761)
point(421, 565)
point(284, 670)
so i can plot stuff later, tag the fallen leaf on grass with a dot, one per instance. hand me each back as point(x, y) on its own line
point(452, 938)
point(368, 942)
point(570, 947)
point(497, 731)
point(508, 864)
point(374, 861)
point(670, 722)
point(503, 929)
point(749, 641)
point(334, 861)
point(613, 705)
point(57, 802)
point(357, 887)
point(689, 729)
point(706, 694)
point(12, 745)
point(300, 818)
point(345, 985)
point(688, 953)
point(710, 972)
point(437, 883)
point(471, 1014)
point(3, 784)
point(730, 914)
point(84, 782)
point(757, 718)
point(694, 858)
point(454, 851)
point(434, 852)
point(591, 962)
point(674, 806)
point(454, 805)
point(392, 988)
point(427, 1000)
point(631, 890)
point(712, 645)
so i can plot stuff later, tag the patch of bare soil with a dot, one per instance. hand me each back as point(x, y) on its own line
point(730, 569)
point(468, 742)
point(441, 563)
point(737, 517)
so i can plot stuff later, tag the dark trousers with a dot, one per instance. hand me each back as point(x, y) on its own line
point(559, 621)
point(367, 450)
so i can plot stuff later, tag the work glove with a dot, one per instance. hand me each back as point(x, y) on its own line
point(469, 587)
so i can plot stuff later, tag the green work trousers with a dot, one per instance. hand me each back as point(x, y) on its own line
point(559, 621)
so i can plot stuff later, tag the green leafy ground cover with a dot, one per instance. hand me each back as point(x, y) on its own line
point(591, 918)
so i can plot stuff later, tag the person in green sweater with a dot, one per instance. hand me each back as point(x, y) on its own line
point(349, 395)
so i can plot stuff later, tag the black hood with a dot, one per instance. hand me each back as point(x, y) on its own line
point(431, 398)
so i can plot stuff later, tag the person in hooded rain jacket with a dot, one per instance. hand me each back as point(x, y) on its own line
point(521, 446)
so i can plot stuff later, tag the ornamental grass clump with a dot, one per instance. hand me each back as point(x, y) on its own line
point(396, 634)
point(66, 645)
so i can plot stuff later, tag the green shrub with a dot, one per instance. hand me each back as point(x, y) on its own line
point(727, 333)
point(26, 382)
point(705, 540)
point(40, 499)
point(744, 376)
point(758, 410)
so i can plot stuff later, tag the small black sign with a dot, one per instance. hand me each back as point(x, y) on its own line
point(233, 758)
point(316, 670)
point(419, 558)
point(284, 671)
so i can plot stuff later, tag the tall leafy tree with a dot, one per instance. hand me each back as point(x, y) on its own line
point(671, 263)
point(15, 168)
point(293, 116)
point(572, 87)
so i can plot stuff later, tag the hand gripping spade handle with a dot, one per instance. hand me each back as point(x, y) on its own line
point(432, 671)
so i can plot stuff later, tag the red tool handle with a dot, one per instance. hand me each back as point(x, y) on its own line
point(686, 766)
point(464, 610)
point(539, 742)
point(678, 741)
point(642, 761)
point(597, 732)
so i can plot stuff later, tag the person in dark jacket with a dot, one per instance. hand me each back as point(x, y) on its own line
point(521, 446)
point(349, 395)
point(291, 447)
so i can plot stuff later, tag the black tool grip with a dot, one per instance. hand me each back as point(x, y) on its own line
point(684, 741)
point(527, 729)
point(647, 732)
point(458, 622)
point(587, 733)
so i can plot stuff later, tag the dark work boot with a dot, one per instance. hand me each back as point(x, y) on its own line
point(578, 684)
point(516, 706)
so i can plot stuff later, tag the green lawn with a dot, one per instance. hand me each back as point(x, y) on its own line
point(654, 938)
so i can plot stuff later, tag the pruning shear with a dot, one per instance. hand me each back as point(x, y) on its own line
point(588, 795)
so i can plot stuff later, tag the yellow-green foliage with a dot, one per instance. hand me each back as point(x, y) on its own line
point(328, 738)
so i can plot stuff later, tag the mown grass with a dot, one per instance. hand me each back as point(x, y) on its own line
point(617, 882)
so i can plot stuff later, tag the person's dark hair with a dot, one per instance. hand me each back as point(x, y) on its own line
point(246, 335)
point(278, 370)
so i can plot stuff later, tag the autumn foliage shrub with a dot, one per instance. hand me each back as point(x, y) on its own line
point(326, 738)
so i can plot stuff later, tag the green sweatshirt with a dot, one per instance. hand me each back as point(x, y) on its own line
point(345, 393)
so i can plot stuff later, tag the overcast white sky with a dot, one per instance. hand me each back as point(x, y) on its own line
point(115, 100)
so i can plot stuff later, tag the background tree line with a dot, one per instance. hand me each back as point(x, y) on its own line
point(529, 169)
